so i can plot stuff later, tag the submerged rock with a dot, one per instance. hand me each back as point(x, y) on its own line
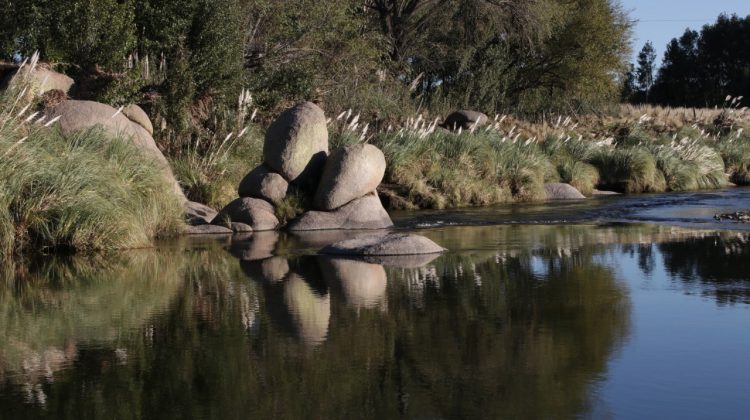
point(255, 247)
point(738, 216)
point(350, 173)
point(599, 193)
point(208, 230)
point(296, 144)
point(364, 213)
point(262, 183)
point(378, 245)
point(560, 191)
point(257, 213)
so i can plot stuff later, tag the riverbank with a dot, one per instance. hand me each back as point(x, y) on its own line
point(642, 150)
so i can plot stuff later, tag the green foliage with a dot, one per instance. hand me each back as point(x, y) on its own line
point(80, 32)
point(702, 68)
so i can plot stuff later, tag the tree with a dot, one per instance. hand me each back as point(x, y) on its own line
point(527, 55)
point(645, 70)
point(84, 33)
point(702, 68)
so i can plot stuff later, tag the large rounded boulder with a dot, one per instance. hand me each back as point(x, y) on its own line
point(75, 116)
point(296, 144)
point(363, 213)
point(350, 173)
point(262, 183)
point(256, 213)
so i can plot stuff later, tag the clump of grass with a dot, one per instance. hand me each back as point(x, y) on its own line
point(294, 204)
point(735, 150)
point(86, 192)
point(437, 168)
point(629, 169)
point(570, 158)
point(210, 163)
point(210, 175)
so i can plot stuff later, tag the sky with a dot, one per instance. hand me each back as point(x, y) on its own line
point(659, 21)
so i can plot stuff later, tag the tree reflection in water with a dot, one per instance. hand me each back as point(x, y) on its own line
point(268, 330)
point(714, 266)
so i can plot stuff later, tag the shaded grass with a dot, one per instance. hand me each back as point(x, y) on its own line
point(444, 169)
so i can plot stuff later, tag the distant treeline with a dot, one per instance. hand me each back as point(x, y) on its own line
point(384, 56)
point(699, 69)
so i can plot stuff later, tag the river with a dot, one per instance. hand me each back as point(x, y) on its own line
point(624, 307)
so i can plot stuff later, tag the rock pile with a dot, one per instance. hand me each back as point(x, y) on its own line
point(738, 216)
point(341, 187)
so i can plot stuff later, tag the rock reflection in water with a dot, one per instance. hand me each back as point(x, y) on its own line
point(361, 284)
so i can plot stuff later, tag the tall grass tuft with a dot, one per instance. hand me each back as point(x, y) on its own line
point(86, 192)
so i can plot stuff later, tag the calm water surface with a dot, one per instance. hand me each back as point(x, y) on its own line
point(591, 318)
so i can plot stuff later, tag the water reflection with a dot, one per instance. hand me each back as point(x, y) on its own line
point(713, 266)
point(516, 322)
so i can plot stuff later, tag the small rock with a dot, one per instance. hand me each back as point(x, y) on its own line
point(257, 213)
point(465, 119)
point(598, 193)
point(198, 214)
point(137, 115)
point(262, 183)
point(43, 80)
point(350, 173)
point(241, 228)
point(560, 191)
point(296, 144)
point(208, 230)
point(393, 244)
point(364, 213)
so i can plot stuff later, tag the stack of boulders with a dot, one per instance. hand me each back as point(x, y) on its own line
point(340, 187)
